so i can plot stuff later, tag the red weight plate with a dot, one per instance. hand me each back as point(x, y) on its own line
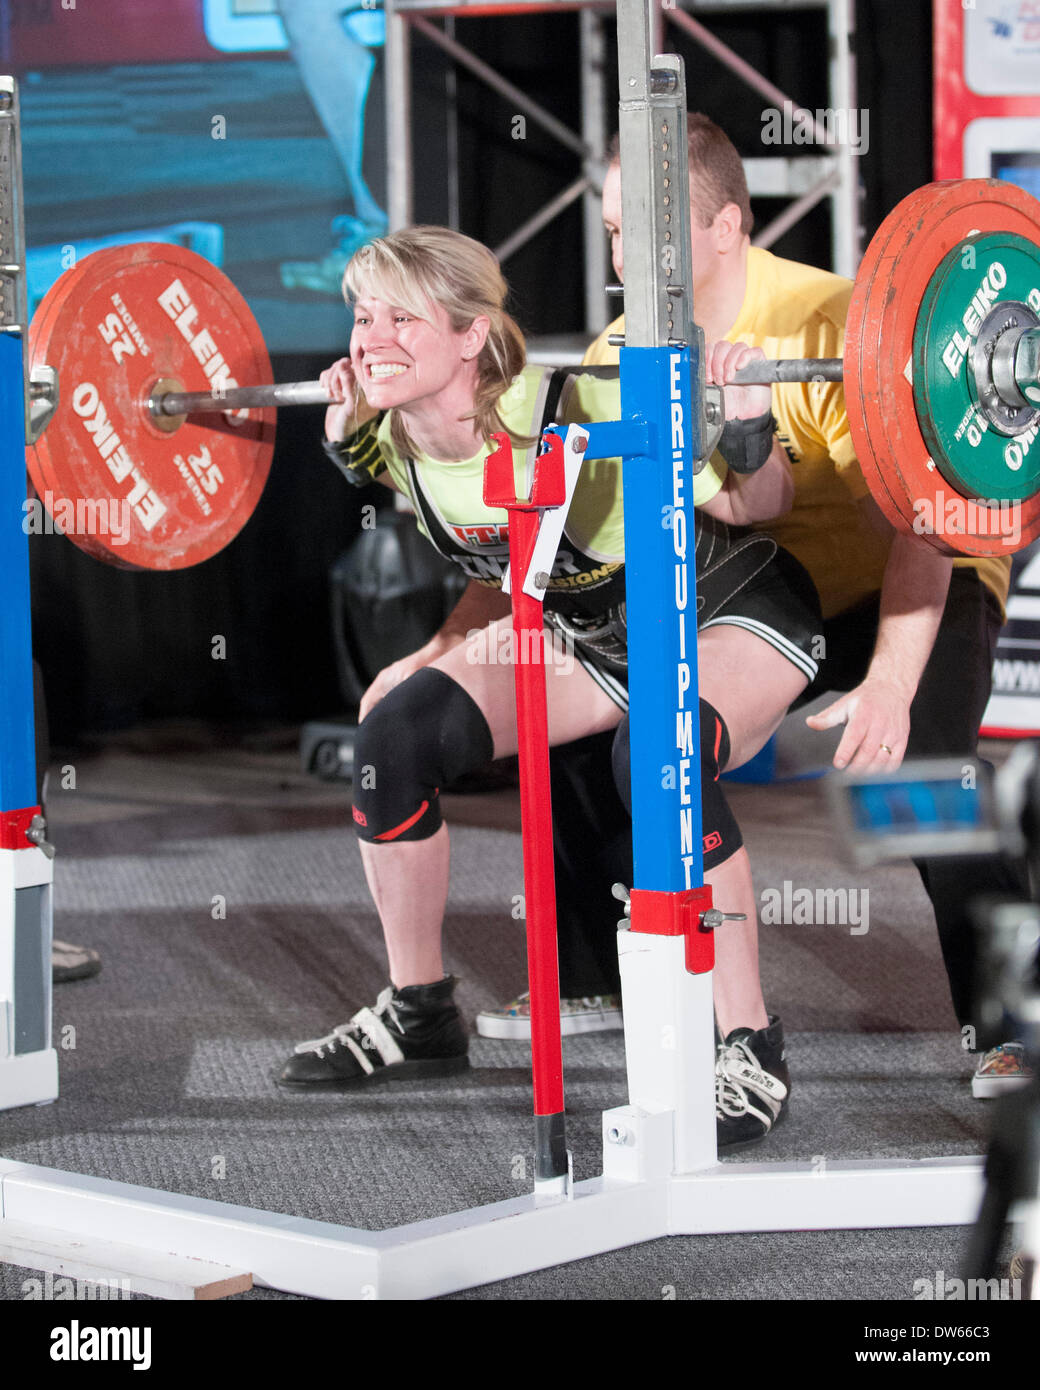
point(899, 263)
point(120, 487)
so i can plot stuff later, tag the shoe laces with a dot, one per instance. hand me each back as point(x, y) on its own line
point(384, 1008)
point(737, 1071)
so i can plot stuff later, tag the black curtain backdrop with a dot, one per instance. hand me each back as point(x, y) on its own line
point(119, 647)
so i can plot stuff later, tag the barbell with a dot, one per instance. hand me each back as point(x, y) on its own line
point(165, 406)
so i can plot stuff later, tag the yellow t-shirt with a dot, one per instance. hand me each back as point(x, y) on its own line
point(793, 310)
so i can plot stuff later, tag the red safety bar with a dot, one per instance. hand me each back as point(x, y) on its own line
point(548, 490)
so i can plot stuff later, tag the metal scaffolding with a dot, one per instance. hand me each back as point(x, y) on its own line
point(804, 180)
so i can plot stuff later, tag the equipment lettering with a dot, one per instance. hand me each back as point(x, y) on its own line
point(491, 533)
point(684, 675)
point(684, 732)
point(128, 319)
point(193, 487)
point(86, 402)
point(1015, 450)
point(177, 304)
point(958, 347)
point(686, 839)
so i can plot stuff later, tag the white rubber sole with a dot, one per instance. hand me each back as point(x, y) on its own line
point(519, 1029)
point(991, 1087)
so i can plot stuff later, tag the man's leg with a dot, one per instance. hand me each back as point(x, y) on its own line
point(592, 839)
point(944, 722)
point(592, 850)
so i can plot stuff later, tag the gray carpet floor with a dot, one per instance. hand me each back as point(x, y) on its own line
point(177, 1040)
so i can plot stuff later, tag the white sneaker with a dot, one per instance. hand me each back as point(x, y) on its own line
point(599, 1014)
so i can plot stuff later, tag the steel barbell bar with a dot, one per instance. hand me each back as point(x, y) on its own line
point(172, 403)
point(769, 372)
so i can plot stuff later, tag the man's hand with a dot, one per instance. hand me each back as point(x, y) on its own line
point(768, 491)
point(352, 409)
point(876, 716)
point(721, 363)
point(877, 712)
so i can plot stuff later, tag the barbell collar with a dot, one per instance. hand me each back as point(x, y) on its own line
point(1027, 365)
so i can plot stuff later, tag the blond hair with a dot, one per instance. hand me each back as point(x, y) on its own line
point(420, 267)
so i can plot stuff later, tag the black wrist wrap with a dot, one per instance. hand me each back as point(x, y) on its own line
point(746, 444)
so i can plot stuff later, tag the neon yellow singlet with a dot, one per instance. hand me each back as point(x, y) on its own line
point(448, 496)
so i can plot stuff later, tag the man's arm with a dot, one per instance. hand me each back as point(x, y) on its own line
point(877, 712)
point(758, 496)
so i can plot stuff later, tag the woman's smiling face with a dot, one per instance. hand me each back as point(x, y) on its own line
point(400, 358)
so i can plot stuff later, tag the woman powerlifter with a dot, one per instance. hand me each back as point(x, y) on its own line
point(436, 366)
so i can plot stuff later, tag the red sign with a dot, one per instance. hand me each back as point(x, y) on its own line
point(987, 64)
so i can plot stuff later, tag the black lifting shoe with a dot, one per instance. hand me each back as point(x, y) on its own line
point(412, 1034)
point(752, 1084)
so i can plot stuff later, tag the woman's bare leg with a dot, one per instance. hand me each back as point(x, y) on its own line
point(409, 885)
point(738, 992)
point(409, 880)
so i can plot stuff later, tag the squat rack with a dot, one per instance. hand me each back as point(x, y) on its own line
point(660, 1173)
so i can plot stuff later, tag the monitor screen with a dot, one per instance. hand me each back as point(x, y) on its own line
point(909, 807)
point(1020, 168)
point(926, 808)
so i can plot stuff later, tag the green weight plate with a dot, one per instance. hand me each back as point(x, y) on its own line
point(969, 450)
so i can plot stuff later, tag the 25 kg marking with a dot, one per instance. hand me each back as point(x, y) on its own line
point(121, 343)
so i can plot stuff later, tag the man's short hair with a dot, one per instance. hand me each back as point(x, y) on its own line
point(716, 171)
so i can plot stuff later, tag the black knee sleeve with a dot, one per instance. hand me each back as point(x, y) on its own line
point(426, 733)
point(721, 833)
point(722, 837)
